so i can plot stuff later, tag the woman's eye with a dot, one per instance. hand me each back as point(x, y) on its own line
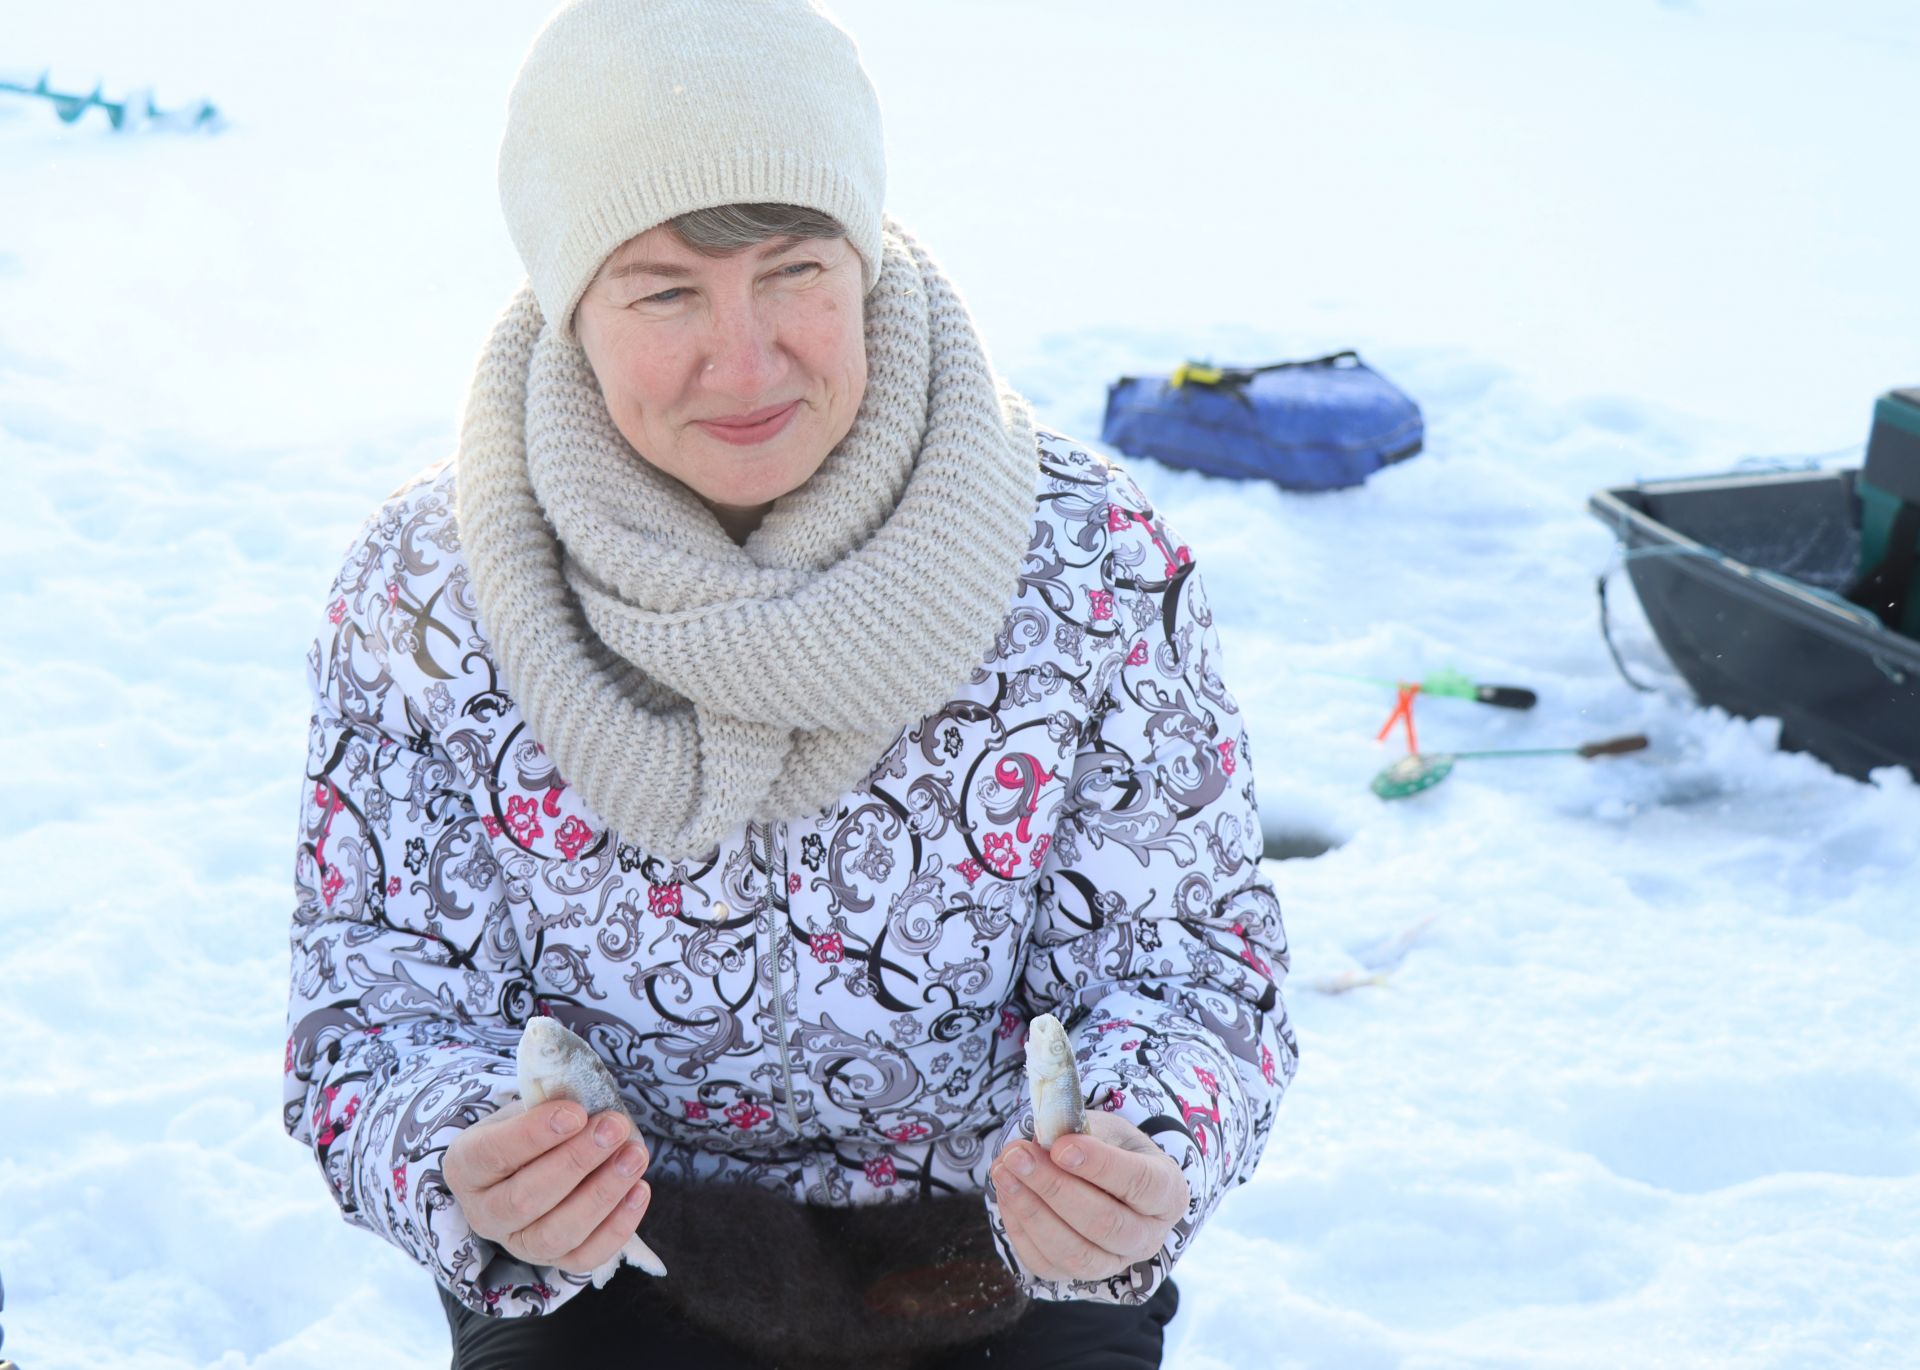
point(670, 296)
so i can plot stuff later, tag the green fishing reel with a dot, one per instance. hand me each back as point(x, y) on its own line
point(1412, 774)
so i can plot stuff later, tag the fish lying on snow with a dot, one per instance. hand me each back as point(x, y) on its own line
point(1058, 1107)
point(1347, 980)
point(556, 1063)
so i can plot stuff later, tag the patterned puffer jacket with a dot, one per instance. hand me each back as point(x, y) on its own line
point(833, 1006)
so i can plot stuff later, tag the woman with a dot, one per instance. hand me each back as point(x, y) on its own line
point(760, 694)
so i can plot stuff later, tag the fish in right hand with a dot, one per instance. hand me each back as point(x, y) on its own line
point(555, 1062)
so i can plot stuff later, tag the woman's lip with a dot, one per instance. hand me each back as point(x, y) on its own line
point(752, 416)
point(742, 434)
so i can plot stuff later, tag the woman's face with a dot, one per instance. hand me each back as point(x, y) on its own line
point(681, 343)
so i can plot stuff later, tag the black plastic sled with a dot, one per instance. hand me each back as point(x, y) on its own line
point(1742, 577)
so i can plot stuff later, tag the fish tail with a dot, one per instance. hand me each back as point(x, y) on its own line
point(639, 1253)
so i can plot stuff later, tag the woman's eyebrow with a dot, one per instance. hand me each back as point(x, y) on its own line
point(646, 266)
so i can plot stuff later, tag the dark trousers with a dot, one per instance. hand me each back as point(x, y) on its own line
point(649, 1335)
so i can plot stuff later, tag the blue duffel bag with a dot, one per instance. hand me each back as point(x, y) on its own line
point(1312, 425)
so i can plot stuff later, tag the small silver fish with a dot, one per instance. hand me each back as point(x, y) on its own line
point(556, 1063)
point(1347, 980)
point(1054, 1083)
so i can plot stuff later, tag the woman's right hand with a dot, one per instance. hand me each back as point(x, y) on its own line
point(547, 1188)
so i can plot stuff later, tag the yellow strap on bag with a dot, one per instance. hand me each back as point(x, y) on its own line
point(1197, 373)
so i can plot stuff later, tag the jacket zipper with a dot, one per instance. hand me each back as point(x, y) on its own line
point(780, 999)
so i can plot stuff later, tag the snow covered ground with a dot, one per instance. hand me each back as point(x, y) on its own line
point(1641, 1084)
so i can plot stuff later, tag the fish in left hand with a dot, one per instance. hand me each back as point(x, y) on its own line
point(1053, 1081)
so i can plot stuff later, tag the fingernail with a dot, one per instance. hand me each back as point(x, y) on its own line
point(1071, 1156)
point(608, 1132)
point(566, 1120)
point(1006, 1183)
point(629, 1161)
point(1022, 1162)
point(638, 1197)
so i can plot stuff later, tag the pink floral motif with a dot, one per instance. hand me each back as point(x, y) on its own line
point(907, 1132)
point(492, 1296)
point(289, 1069)
point(393, 593)
point(694, 1109)
point(1188, 1112)
point(1249, 955)
point(1266, 1064)
point(970, 868)
point(400, 1181)
point(336, 611)
point(1028, 780)
point(1182, 555)
point(747, 1115)
point(331, 884)
point(573, 837)
point(1117, 518)
point(1138, 656)
point(550, 806)
point(1115, 1101)
point(880, 1171)
point(1102, 604)
point(1039, 852)
point(323, 794)
point(1000, 853)
point(393, 886)
point(663, 901)
point(326, 1127)
point(491, 824)
point(793, 882)
point(1226, 756)
point(1207, 1079)
point(1115, 1025)
point(1009, 1023)
point(523, 817)
point(1131, 1044)
point(826, 947)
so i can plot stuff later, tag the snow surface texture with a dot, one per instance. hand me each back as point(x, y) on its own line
point(1643, 1091)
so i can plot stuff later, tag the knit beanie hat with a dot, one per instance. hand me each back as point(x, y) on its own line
point(627, 113)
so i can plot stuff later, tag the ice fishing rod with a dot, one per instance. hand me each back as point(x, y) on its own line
point(121, 113)
point(1445, 685)
point(1412, 774)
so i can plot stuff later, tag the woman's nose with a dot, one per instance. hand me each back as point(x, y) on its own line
point(743, 353)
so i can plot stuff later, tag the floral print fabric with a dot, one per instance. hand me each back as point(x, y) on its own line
point(833, 1006)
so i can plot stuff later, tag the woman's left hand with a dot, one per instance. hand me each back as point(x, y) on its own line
point(1092, 1207)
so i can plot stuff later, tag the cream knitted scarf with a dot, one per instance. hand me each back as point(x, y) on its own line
point(683, 683)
